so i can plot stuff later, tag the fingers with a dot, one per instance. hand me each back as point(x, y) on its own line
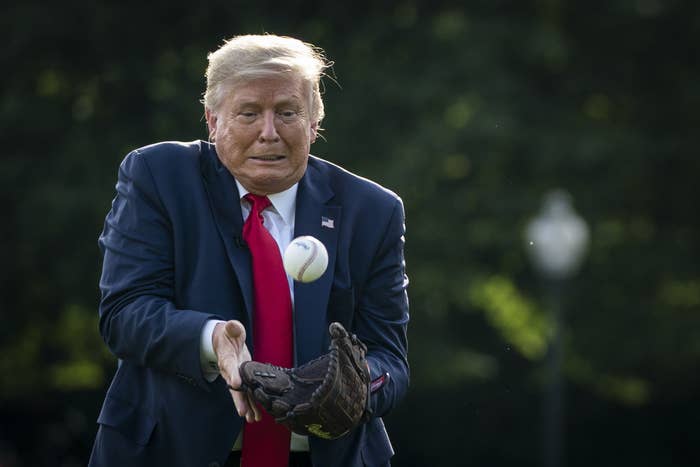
point(241, 402)
point(257, 416)
point(245, 406)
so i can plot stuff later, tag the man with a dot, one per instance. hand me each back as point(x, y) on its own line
point(188, 292)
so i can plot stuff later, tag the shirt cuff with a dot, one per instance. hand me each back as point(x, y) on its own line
point(207, 356)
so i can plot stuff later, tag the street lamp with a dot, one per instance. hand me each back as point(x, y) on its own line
point(556, 241)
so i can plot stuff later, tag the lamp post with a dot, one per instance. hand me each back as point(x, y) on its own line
point(556, 241)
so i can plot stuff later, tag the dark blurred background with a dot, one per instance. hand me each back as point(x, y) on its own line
point(472, 113)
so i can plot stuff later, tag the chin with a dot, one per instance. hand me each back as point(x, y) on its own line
point(267, 182)
point(270, 185)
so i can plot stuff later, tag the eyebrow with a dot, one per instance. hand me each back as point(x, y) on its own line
point(293, 99)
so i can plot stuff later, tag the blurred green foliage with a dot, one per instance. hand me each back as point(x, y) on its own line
point(471, 113)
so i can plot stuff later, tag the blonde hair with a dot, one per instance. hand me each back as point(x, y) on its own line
point(254, 56)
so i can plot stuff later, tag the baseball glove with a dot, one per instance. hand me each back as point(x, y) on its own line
point(326, 397)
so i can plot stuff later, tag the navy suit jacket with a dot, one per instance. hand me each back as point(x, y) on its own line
point(173, 258)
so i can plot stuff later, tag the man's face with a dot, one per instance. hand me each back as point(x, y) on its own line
point(263, 132)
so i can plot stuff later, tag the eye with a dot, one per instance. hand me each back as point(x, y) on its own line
point(288, 114)
point(246, 115)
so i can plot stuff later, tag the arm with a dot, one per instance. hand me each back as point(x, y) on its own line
point(138, 320)
point(382, 316)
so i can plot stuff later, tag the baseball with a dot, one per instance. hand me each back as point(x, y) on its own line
point(305, 259)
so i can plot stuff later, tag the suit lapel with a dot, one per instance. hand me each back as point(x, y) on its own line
point(225, 205)
point(321, 220)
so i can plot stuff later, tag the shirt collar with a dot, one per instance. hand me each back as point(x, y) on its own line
point(284, 202)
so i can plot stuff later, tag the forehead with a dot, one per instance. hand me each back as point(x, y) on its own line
point(269, 89)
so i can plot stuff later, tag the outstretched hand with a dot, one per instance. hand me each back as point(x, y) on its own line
point(228, 340)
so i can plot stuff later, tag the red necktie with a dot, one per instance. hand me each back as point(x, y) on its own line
point(266, 443)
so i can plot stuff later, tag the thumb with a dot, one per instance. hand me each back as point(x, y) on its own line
point(235, 330)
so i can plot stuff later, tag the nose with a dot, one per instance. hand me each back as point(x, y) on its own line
point(268, 133)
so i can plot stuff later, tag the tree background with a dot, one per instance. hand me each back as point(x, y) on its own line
point(471, 113)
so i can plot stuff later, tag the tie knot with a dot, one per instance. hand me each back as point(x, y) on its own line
point(257, 203)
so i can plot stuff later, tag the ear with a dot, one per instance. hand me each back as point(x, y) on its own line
point(211, 124)
point(314, 132)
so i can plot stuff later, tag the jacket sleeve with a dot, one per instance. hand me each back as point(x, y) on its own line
point(382, 318)
point(138, 319)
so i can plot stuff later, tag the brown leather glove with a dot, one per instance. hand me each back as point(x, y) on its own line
point(326, 397)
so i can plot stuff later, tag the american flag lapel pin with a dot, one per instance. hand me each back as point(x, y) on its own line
point(327, 222)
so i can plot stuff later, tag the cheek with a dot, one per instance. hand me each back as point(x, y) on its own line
point(223, 133)
point(223, 144)
point(303, 137)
